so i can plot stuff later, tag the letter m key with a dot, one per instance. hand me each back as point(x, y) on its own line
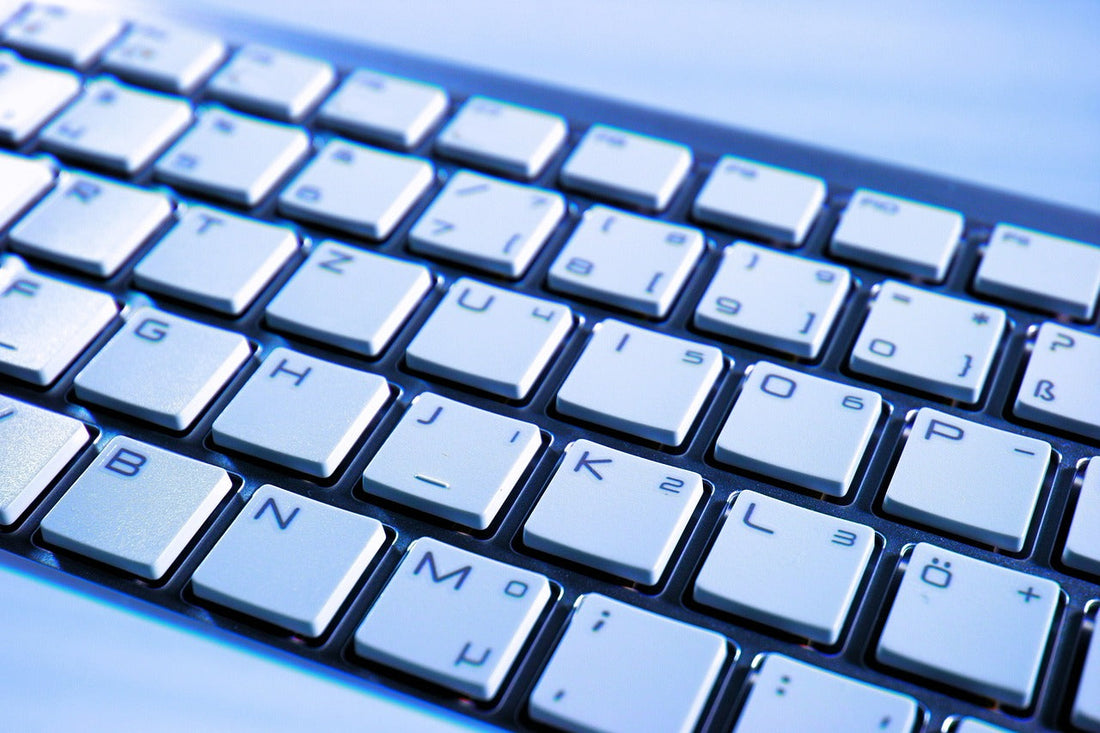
point(429, 561)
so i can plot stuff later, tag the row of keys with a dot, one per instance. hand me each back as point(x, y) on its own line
point(933, 627)
point(875, 229)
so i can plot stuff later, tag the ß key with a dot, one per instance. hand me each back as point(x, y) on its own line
point(1060, 386)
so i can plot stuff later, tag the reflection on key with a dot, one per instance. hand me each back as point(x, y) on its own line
point(969, 624)
point(35, 444)
point(452, 617)
point(289, 560)
point(621, 669)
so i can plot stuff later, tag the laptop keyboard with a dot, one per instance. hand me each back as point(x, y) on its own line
point(549, 418)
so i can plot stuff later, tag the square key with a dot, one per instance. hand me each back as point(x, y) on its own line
point(289, 560)
point(929, 342)
point(970, 624)
point(594, 493)
point(640, 382)
point(162, 368)
point(452, 460)
point(453, 618)
point(301, 412)
point(786, 566)
point(174, 59)
point(136, 507)
point(505, 138)
point(30, 94)
point(216, 260)
point(60, 35)
point(272, 82)
point(489, 338)
point(384, 108)
point(349, 298)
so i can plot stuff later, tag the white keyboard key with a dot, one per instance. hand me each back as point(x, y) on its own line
point(1082, 549)
point(491, 339)
point(779, 407)
point(624, 368)
point(968, 479)
point(272, 82)
point(785, 566)
point(90, 224)
point(22, 182)
point(453, 618)
point(170, 58)
point(61, 35)
point(487, 223)
point(117, 127)
point(136, 507)
point(349, 298)
point(1086, 704)
point(768, 202)
point(162, 368)
point(969, 624)
point(627, 261)
point(973, 725)
point(233, 157)
point(505, 138)
point(1060, 388)
point(627, 168)
point(1040, 271)
point(897, 234)
point(382, 108)
point(289, 560)
point(45, 324)
point(772, 299)
point(613, 511)
point(356, 189)
point(301, 412)
point(789, 695)
point(929, 342)
point(35, 445)
point(621, 669)
point(216, 260)
point(30, 94)
point(452, 460)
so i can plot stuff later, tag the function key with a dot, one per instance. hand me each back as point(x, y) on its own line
point(979, 627)
point(271, 82)
point(898, 235)
point(385, 109)
point(627, 261)
point(619, 669)
point(1040, 271)
point(1060, 386)
point(968, 479)
point(768, 202)
point(929, 342)
point(505, 138)
point(30, 94)
point(454, 618)
point(627, 168)
point(116, 126)
point(171, 59)
point(773, 299)
point(60, 35)
point(787, 694)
